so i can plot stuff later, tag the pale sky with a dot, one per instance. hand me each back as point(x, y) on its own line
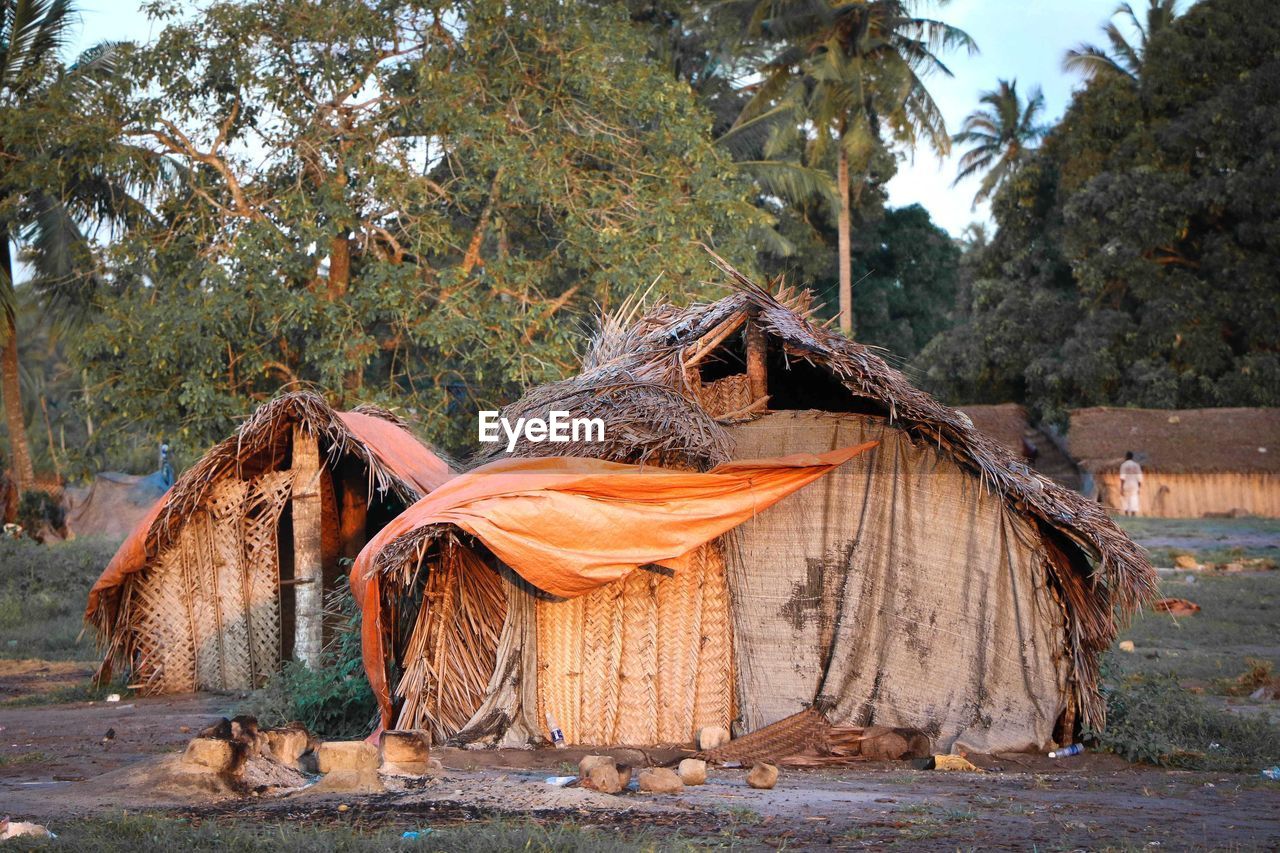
point(1017, 38)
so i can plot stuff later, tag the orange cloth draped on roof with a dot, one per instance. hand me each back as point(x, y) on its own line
point(569, 525)
point(394, 446)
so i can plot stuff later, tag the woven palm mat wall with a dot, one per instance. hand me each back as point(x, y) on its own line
point(208, 609)
point(644, 660)
point(452, 652)
point(895, 591)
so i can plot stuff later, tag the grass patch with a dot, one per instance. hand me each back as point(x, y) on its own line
point(23, 758)
point(1209, 540)
point(148, 832)
point(43, 591)
point(1237, 621)
point(85, 691)
point(1152, 719)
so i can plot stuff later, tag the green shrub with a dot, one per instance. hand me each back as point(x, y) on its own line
point(334, 701)
point(37, 509)
point(1152, 719)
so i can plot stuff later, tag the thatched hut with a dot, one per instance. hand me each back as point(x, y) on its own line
point(1195, 462)
point(934, 582)
point(1004, 423)
point(226, 575)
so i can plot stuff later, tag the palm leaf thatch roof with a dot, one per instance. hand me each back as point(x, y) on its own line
point(1177, 440)
point(638, 376)
point(399, 465)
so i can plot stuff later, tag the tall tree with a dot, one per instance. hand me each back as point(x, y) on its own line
point(857, 71)
point(52, 179)
point(999, 135)
point(412, 202)
point(1124, 59)
point(1134, 263)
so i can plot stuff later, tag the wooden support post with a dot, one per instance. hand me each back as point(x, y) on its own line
point(308, 560)
point(757, 372)
point(352, 516)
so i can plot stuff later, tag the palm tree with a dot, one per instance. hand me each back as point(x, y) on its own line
point(1125, 59)
point(856, 71)
point(43, 221)
point(1000, 133)
point(763, 150)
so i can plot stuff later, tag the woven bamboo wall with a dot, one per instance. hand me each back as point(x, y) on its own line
point(1192, 495)
point(645, 660)
point(207, 612)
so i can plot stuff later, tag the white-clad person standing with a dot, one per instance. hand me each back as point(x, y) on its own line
point(1130, 484)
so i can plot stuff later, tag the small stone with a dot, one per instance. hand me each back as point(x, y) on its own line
point(213, 753)
point(1126, 646)
point(603, 777)
point(347, 755)
point(286, 745)
point(763, 776)
point(660, 780)
point(1185, 561)
point(406, 752)
point(710, 737)
point(186, 730)
point(344, 807)
point(624, 774)
point(693, 771)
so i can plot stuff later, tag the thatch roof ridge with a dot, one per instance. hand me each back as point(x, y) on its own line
point(262, 431)
point(1177, 440)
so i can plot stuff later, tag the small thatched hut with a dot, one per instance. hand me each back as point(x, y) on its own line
point(933, 582)
point(1004, 423)
point(1195, 462)
point(225, 576)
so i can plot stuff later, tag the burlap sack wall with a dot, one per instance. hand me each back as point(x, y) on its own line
point(897, 591)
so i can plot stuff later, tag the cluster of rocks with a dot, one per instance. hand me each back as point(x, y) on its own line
point(604, 774)
point(260, 760)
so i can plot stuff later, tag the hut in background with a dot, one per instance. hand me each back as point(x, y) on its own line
point(935, 582)
point(225, 576)
point(1195, 462)
point(1004, 423)
point(1008, 426)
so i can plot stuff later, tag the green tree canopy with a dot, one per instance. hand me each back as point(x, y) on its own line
point(414, 203)
point(1136, 256)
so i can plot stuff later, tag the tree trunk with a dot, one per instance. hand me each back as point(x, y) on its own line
point(757, 368)
point(24, 474)
point(339, 266)
point(842, 231)
point(308, 559)
point(352, 518)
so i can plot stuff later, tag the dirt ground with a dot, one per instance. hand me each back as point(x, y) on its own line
point(57, 763)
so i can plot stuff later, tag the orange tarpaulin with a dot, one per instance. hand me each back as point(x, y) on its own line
point(569, 525)
point(394, 446)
